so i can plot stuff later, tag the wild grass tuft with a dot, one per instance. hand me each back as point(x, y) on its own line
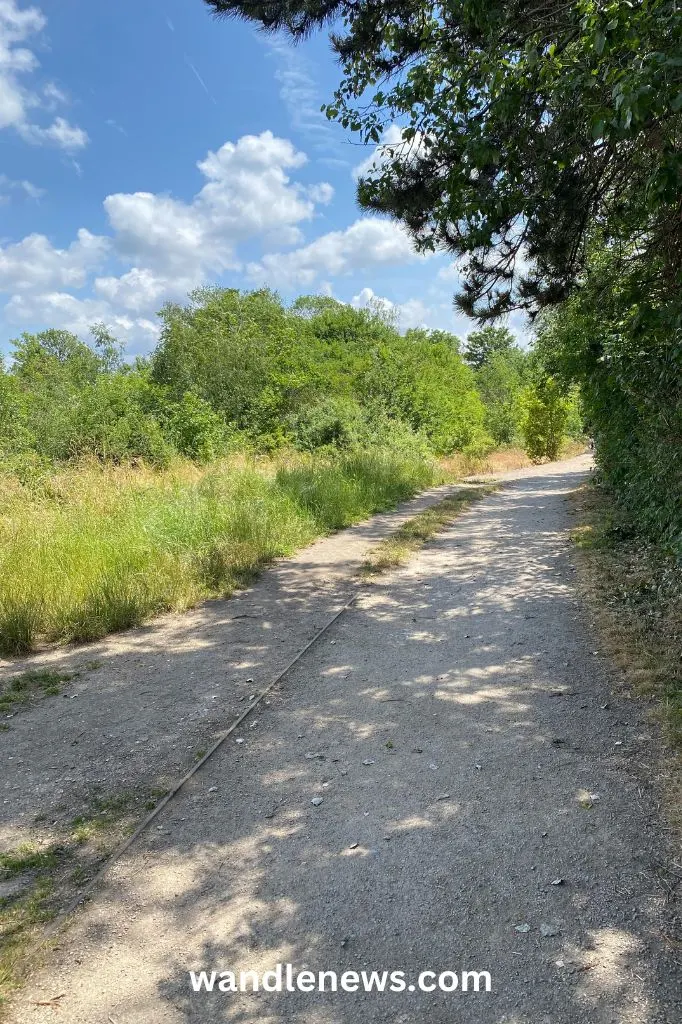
point(416, 532)
point(22, 688)
point(93, 550)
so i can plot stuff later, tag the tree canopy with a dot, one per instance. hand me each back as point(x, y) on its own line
point(482, 345)
point(526, 126)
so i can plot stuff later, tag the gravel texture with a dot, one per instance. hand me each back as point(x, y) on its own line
point(482, 801)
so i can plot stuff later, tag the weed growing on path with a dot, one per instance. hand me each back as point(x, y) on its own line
point(23, 688)
point(416, 532)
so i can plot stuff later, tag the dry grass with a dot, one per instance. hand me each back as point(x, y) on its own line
point(634, 592)
point(505, 460)
point(416, 532)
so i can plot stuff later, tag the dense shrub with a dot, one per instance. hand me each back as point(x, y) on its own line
point(621, 340)
point(235, 370)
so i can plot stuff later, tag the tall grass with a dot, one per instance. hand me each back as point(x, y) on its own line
point(90, 551)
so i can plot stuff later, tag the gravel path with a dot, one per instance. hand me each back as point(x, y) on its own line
point(481, 809)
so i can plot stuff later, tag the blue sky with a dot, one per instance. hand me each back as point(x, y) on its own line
point(147, 149)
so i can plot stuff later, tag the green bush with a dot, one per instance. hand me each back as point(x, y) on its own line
point(334, 421)
point(195, 429)
point(621, 343)
point(546, 412)
point(241, 370)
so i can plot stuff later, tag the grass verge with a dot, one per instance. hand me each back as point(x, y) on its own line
point(38, 878)
point(634, 591)
point(91, 551)
point(416, 532)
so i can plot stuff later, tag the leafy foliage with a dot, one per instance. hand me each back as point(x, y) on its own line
point(240, 369)
point(524, 124)
point(544, 422)
point(542, 147)
point(500, 382)
point(484, 344)
point(621, 339)
point(319, 373)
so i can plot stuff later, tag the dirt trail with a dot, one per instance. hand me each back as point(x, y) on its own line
point(160, 693)
point(459, 719)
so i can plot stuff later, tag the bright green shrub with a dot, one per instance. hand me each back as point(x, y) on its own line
point(544, 420)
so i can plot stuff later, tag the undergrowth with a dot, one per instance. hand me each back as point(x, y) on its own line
point(635, 593)
point(89, 551)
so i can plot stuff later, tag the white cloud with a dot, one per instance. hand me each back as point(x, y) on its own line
point(322, 193)
point(139, 290)
point(160, 247)
point(60, 132)
point(366, 299)
point(299, 93)
point(31, 190)
point(248, 192)
point(167, 246)
point(34, 264)
point(25, 187)
point(411, 313)
point(449, 273)
point(54, 96)
point(15, 26)
point(415, 312)
point(17, 63)
point(369, 242)
point(61, 309)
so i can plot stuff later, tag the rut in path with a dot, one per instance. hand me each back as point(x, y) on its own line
point(469, 753)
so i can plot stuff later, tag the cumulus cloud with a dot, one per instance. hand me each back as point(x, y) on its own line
point(167, 246)
point(34, 264)
point(17, 100)
point(62, 309)
point(247, 192)
point(367, 243)
point(414, 312)
point(160, 246)
point(140, 290)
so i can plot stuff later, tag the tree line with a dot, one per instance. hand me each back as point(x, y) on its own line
point(237, 370)
point(542, 148)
